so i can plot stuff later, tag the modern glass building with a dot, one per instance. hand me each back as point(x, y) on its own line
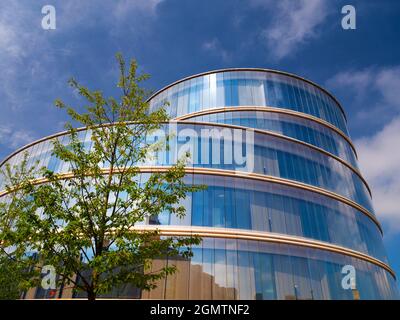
point(280, 228)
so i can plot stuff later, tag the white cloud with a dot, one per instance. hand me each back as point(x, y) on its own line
point(294, 23)
point(358, 80)
point(9, 136)
point(379, 158)
point(31, 73)
point(214, 47)
point(384, 80)
point(124, 7)
point(6, 40)
point(28, 54)
point(17, 41)
point(74, 13)
point(373, 90)
point(388, 82)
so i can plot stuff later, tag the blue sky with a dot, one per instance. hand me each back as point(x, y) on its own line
point(172, 39)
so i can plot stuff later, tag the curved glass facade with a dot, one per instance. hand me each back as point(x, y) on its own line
point(241, 269)
point(303, 183)
point(265, 206)
point(288, 125)
point(273, 156)
point(250, 88)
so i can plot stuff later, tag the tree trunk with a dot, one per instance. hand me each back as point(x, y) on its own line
point(91, 295)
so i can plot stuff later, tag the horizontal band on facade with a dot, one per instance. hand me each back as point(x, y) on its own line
point(256, 70)
point(262, 177)
point(272, 110)
point(281, 136)
point(270, 133)
point(226, 233)
point(233, 174)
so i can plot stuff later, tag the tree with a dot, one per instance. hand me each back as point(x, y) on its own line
point(83, 223)
point(12, 278)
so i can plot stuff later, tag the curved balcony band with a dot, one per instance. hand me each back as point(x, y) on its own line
point(271, 110)
point(249, 87)
point(226, 233)
point(300, 128)
point(237, 202)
